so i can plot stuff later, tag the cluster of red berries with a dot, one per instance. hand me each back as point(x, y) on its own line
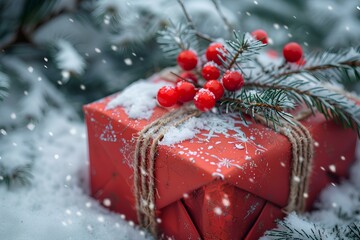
point(213, 89)
point(205, 97)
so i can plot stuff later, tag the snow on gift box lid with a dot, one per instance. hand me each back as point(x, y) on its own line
point(251, 157)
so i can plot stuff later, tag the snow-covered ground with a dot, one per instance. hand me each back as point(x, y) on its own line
point(57, 206)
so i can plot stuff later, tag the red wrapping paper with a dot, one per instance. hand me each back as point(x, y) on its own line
point(209, 188)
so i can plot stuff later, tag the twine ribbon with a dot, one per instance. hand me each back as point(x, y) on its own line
point(144, 163)
point(302, 146)
point(146, 148)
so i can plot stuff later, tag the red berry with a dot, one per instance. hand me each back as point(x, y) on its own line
point(189, 76)
point(167, 96)
point(210, 71)
point(292, 52)
point(214, 52)
point(187, 60)
point(186, 91)
point(204, 100)
point(233, 81)
point(301, 62)
point(260, 35)
point(215, 87)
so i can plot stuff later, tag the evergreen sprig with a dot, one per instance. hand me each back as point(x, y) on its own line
point(240, 50)
point(353, 230)
point(19, 176)
point(270, 104)
point(332, 104)
point(4, 85)
point(176, 38)
point(290, 232)
point(341, 66)
point(35, 11)
point(314, 231)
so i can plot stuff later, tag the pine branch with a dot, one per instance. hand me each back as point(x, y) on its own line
point(34, 16)
point(331, 104)
point(329, 67)
point(252, 104)
point(174, 39)
point(35, 10)
point(4, 85)
point(191, 23)
point(353, 230)
point(288, 231)
point(32, 11)
point(320, 68)
point(240, 50)
point(271, 104)
point(19, 176)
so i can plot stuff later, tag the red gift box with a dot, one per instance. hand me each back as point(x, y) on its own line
point(192, 201)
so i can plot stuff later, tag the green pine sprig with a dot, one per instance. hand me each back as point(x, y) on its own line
point(176, 38)
point(315, 231)
point(36, 10)
point(353, 230)
point(20, 176)
point(4, 86)
point(240, 50)
point(289, 232)
point(272, 104)
point(340, 66)
point(333, 105)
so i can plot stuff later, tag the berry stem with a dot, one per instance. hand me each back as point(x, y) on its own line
point(184, 79)
point(192, 25)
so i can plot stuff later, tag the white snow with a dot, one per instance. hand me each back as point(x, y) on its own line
point(56, 205)
point(185, 131)
point(229, 125)
point(68, 59)
point(214, 123)
point(138, 100)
